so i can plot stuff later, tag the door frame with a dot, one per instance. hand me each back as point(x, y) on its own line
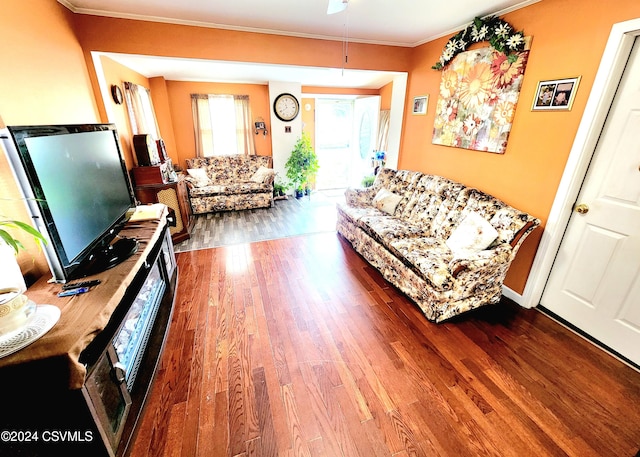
point(612, 65)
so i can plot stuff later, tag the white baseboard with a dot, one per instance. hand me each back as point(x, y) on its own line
point(514, 296)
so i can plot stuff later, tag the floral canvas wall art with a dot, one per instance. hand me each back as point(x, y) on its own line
point(478, 96)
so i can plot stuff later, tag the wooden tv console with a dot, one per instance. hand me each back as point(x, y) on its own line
point(73, 392)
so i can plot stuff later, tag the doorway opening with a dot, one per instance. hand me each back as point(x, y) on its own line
point(346, 130)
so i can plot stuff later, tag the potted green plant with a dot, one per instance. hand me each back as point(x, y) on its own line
point(302, 164)
point(367, 181)
point(279, 190)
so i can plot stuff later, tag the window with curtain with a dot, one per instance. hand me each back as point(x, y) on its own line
point(222, 124)
point(141, 113)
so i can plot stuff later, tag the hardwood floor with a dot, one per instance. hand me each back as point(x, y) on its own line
point(291, 217)
point(296, 347)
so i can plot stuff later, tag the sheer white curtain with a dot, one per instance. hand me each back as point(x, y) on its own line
point(141, 113)
point(222, 124)
point(383, 130)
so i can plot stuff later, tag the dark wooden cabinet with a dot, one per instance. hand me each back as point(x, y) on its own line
point(175, 196)
point(81, 388)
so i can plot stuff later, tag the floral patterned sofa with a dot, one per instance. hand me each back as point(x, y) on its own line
point(232, 182)
point(446, 246)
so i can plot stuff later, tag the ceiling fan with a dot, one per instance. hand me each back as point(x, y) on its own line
point(335, 6)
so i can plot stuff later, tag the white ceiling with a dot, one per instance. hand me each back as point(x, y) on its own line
point(393, 22)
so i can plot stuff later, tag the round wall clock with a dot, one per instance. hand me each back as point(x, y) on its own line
point(116, 93)
point(286, 107)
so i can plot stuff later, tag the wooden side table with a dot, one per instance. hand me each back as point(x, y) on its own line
point(175, 196)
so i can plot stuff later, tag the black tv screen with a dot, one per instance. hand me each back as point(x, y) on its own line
point(76, 187)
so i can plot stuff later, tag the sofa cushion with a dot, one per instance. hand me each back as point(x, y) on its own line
point(262, 174)
point(229, 169)
point(198, 177)
point(428, 257)
point(230, 189)
point(434, 199)
point(385, 228)
point(419, 193)
point(450, 211)
point(356, 213)
point(400, 182)
point(505, 219)
point(472, 235)
point(386, 201)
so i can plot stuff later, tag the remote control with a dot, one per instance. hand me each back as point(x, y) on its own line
point(76, 291)
point(75, 285)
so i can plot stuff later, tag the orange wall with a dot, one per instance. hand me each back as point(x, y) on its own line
point(115, 73)
point(43, 80)
point(44, 76)
point(179, 94)
point(385, 96)
point(164, 117)
point(569, 37)
point(160, 39)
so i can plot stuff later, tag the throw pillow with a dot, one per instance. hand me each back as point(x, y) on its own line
point(473, 234)
point(262, 174)
point(200, 177)
point(386, 201)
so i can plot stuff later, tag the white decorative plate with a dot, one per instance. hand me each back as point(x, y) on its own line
point(44, 319)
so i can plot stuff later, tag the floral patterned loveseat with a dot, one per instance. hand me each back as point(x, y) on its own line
point(231, 182)
point(446, 246)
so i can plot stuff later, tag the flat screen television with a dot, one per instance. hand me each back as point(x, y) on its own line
point(78, 193)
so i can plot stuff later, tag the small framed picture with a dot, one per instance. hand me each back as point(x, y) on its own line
point(420, 104)
point(555, 94)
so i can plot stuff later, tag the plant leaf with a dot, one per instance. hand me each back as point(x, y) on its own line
point(14, 243)
point(11, 241)
point(30, 230)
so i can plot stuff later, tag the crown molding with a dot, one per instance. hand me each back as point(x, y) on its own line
point(212, 25)
point(235, 28)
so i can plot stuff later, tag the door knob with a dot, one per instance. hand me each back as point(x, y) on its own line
point(582, 208)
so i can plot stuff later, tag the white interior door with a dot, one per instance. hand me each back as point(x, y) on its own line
point(595, 280)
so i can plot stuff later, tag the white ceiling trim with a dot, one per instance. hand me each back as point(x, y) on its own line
point(166, 20)
point(234, 28)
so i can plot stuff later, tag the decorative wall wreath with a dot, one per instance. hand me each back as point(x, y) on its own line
point(497, 32)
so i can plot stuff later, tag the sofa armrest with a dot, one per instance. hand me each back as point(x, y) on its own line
point(270, 179)
point(190, 182)
point(360, 197)
point(499, 255)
